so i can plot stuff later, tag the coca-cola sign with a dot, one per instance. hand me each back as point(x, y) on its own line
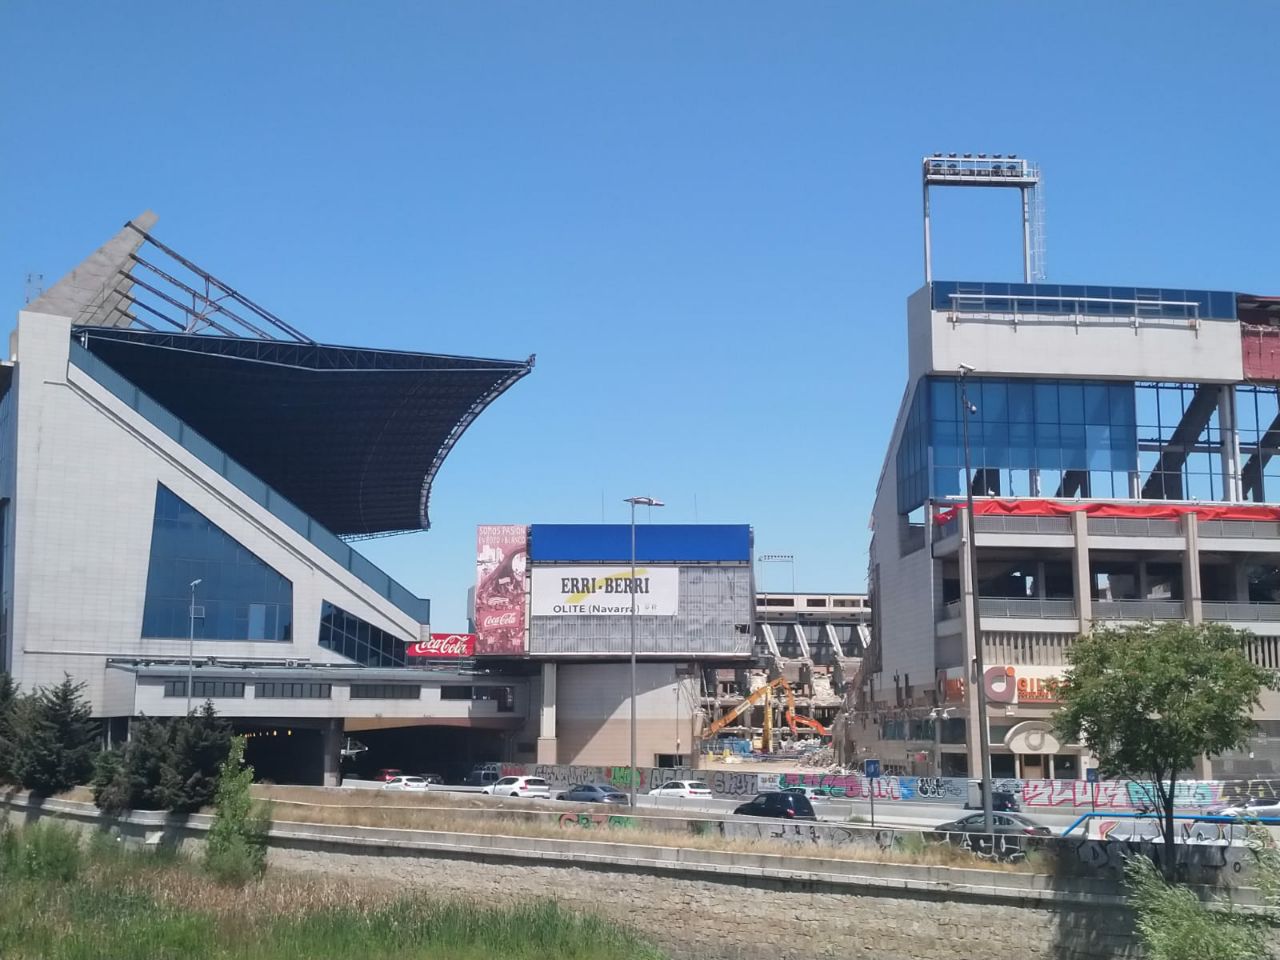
point(444, 645)
point(502, 556)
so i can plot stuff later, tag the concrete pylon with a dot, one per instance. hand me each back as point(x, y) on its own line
point(93, 294)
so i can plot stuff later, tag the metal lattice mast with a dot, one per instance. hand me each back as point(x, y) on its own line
point(1039, 266)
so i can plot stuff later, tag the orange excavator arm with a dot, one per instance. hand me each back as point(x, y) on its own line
point(756, 696)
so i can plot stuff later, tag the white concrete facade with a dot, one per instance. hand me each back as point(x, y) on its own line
point(82, 500)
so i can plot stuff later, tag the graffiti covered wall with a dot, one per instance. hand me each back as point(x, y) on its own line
point(1118, 795)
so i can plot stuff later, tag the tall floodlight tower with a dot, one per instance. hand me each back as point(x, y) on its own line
point(996, 170)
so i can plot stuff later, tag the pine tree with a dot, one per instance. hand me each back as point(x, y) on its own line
point(55, 739)
point(8, 697)
point(200, 743)
point(131, 778)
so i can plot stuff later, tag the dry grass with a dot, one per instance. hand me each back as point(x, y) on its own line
point(486, 816)
point(483, 815)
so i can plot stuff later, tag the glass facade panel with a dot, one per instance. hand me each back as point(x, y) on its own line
point(358, 640)
point(240, 596)
point(1258, 420)
point(1027, 438)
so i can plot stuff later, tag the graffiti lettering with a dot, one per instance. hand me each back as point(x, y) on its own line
point(589, 821)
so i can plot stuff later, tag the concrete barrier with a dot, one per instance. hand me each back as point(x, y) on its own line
point(722, 867)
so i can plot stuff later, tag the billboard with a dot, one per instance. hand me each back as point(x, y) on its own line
point(443, 646)
point(605, 591)
point(502, 556)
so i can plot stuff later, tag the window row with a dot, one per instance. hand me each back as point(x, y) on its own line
point(359, 640)
point(385, 691)
point(268, 690)
point(275, 690)
point(204, 689)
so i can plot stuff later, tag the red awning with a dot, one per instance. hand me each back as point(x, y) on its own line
point(1158, 511)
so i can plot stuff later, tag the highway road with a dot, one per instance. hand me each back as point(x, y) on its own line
point(906, 814)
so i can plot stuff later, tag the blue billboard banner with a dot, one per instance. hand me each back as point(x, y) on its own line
point(655, 543)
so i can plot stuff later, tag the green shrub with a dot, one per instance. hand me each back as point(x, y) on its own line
point(8, 696)
point(44, 851)
point(236, 850)
point(1176, 925)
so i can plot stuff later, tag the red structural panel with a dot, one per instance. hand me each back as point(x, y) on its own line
point(1158, 511)
point(1260, 347)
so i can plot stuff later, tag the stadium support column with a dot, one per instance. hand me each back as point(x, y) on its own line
point(1081, 581)
point(331, 738)
point(547, 748)
point(1191, 598)
point(1230, 443)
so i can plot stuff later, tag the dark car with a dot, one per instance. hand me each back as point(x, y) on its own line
point(1000, 800)
point(1005, 824)
point(780, 804)
point(593, 793)
point(432, 778)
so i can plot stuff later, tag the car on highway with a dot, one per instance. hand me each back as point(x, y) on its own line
point(813, 793)
point(1246, 808)
point(779, 804)
point(593, 793)
point(532, 787)
point(684, 789)
point(387, 774)
point(483, 775)
point(1004, 824)
point(406, 783)
point(432, 778)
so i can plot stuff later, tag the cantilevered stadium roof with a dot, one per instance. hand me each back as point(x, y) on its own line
point(354, 437)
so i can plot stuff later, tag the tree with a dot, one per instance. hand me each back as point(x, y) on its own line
point(166, 765)
point(1149, 699)
point(131, 778)
point(200, 743)
point(236, 850)
point(8, 697)
point(55, 738)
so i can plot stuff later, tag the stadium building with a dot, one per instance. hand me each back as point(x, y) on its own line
point(1122, 450)
point(181, 476)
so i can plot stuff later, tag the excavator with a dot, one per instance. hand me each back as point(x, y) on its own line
point(765, 693)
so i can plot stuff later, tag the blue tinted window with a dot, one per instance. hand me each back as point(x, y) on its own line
point(240, 596)
point(1097, 403)
point(359, 640)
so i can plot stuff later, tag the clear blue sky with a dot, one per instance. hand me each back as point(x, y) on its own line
point(704, 218)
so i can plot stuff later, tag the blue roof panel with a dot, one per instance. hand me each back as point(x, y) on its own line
point(655, 543)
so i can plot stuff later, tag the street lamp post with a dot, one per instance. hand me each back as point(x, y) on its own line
point(635, 502)
point(191, 641)
point(979, 668)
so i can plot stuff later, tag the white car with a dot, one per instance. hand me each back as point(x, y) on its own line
point(1252, 807)
point(534, 787)
point(684, 789)
point(406, 783)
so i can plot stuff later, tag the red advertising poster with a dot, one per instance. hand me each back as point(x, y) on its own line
point(444, 646)
point(502, 555)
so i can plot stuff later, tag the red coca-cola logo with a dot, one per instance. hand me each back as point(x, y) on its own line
point(444, 645)
point(499, 620)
